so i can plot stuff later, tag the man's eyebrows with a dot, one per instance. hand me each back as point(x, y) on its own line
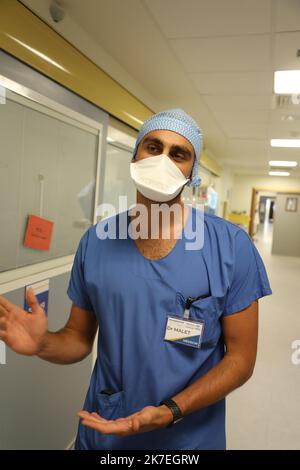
point(153, 140)
point(178, 148)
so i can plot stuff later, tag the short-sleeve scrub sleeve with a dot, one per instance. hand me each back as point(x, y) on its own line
point(77, 290)
point(249, 280)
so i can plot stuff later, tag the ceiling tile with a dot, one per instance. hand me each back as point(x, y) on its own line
point(287, 15)
point(285, 51)
point(285, 117)
point(286, 130)
point(237, 103)
point(200, 18)
point(259, 117)
point(284, 154)
point(240, 53)
point(250, 148)
point(236, 83)
point(239, 130)
point(283, 128)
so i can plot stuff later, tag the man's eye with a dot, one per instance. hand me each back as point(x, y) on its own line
point(152, 148)
point(178, 157)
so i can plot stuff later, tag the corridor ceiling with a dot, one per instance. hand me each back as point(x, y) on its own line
point(214, 58)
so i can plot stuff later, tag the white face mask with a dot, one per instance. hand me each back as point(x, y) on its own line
point(157, 178)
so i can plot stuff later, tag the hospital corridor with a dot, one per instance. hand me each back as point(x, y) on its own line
point(150, 229)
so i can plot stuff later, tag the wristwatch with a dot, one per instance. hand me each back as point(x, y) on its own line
point(176, 411)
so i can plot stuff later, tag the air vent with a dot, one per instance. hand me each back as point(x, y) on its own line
point(286, 101)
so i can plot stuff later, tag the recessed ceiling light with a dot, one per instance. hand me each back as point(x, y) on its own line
point(285, 143)
point(287, 82)
point(279, 173)
point(282, 163)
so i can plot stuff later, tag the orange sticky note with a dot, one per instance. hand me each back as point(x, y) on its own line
point(38, 233)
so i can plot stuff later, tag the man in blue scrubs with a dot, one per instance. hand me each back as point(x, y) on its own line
point(177, 326)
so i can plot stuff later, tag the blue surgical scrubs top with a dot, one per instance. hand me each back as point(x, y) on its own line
point(132, 296)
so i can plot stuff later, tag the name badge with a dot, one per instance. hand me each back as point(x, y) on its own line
point(187, 332)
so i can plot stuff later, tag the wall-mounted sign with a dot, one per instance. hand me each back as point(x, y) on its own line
point(41, 291)
point(38, 233)
point(2, 353)
point(291, 204)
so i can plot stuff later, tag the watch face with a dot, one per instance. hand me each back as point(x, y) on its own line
point(177, 420)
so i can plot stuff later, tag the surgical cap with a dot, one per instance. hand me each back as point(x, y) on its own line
point(179, 121)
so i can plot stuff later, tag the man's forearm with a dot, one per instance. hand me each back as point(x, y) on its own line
point(230, 373)
point(64, 347)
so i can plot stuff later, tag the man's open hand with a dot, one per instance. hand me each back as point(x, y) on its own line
point(148, 419)
point(23, 332)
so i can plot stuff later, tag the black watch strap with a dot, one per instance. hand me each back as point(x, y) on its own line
point(176, 411)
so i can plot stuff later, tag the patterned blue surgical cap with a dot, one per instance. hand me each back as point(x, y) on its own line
point(175, 120)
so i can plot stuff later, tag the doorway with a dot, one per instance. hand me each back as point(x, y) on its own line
point(263, 210)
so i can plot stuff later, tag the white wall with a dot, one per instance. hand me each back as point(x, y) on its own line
point(242, 188)
point(286, 240)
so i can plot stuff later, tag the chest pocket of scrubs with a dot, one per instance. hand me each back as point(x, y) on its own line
point(207, 310)
point(110, 406)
